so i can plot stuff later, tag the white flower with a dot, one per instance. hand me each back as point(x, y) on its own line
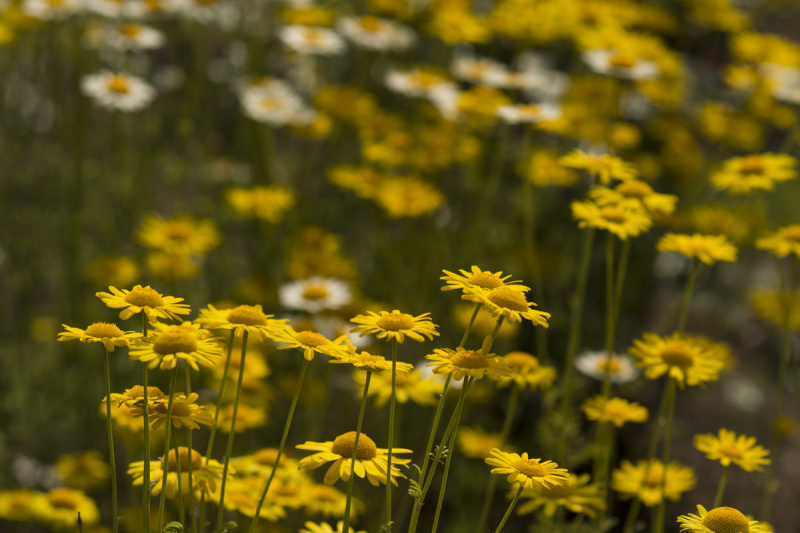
point(108, 8)
point(143, 8)
point(203, 11)
point(376, 33)
point(479, 70)
point(530, 114)
point(415, 82)
point(538, 78)
point(49, 9)
point(275, 103)
point(315, 294)
point(784, 82)
point(332, 328)
point(620, 64)
point(131, 36)
point(593, 364)
point(117, 90)
point(445, 98)
point(311, 40)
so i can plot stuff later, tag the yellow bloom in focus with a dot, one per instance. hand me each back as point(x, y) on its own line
point(183, 235)
point(623, 220)
point(240, 319)
point(602, 166)
point(721, 520)
point(144, 300)
point(134, 396)
point(330, 502)
point(205, 473)
point(20, 505)
point(689, 360)
point(408, 387)
point(367, 362)
point(371, 461)
point(542, 169)
point(576, 495)
point(85, 471)
point(265, 203)
point(614, 410)
point(509, 303)
point(706, 248)
point(636, 193)
point(729, 448)
point(756, 172)
point(311, 527)
point(59, 509)
point(478, 280)
point(185, 413)
point(166, 344)
point(782, 242)
point(461, 362)
point(645, 481)
point(309, 341)
point(395, 326)
point(109, 335)
point(408, 197)
point(476, 443)
point(526, 371)
point(105, 271)
point(528, 473)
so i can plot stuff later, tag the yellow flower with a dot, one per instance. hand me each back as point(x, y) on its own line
point(526, 371)
point(371, 461)
point(509, 303)
point(774, 306)
point(135, 396)
point(614, 410)
point(363, 181)
point(330, 502)
point(84, 471)
point(240, 319)
point(407, 196)
point(261, 463)
point(166, 344)
point(144, 299)
point(409, 387)
point(266, 203)
point(311, 527)
point(576, 495)
point(477, 443)
point(782, 242)
point(367, 362)
point(623, 220)
point(729, 448)
point(109, 335)
point(645, 482)
point(478, 281)
point(542, 169)
point(756, 172)
point(602, 166)
point(636, 193)
point(308, 341)
point(461, 362)
point(706, 248)
point(172, 267)
point(60, 507)
point(395, 326)
point(241, 495)
point(110, 270)
point(721, 520)
point(185, 413)
point(528, 473)
point(479, 105)
point(456, 25)
point(246, 418)
point(205, 473)
point(20, 505)
point(183, 235)
point(719, 220)
point(690, 360)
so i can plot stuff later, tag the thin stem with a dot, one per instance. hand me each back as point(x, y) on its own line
point(687, 296)
point(609, 343)
point(281, 446)
point(176, 448)
point(658, 525)
point(346, 525)
point(436, 419)
point(112, 460)
point(469, 326)
point(721, 487)
point(165, 459)
point(529, 239)
point(510, 509)
point(391, 437)
point(146, 415)
point(190, 450)
point(633, 514)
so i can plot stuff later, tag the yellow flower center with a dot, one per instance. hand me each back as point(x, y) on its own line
point(144, 297)
point(286, 490)
point(315, 292)
point(267, 457)
point(179, 230)
point(137, 391)
point(469, 359)
point(615, 408)
point(654, 476)
point(395, 322)
point(183, 453)
point(130, 30)
point(529, 467)
point(521, 361)
point(609, 364)
point(178, 409)
point(677, 353)
point(369, 23)
point(731, 450)
point(485, 280)
point(508, 299)
point(425, 79)
point(311, 339)
point(613, 214)
point(726, 520)
point(752, 164)
point(175, 340)
point(63, 499)
point(314, 37)
point(343, 445)
point(247, 315)
point(119, 84)
point(622, 60)
point(271, 103)
point(792, 233)
point(634, 189)
point(100, 330)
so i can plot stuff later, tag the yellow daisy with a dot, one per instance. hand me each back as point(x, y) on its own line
point(330, 502)
point(782, 242)
point(84, 471)
point(729, 448)
point(577, 495)
point(247, 417)
point(409, 387)
point(308, 341)
point(509, 303)
point(60, 507)
point(371, 461)
point(622, 220)
point(478, 280)
point(167, 344)
point(135, 396)
point(367, 362)
point(261, 463)
point(645, 481)
point(242, 494)
point(311, 527)
point(477, 443)
point(267, 203)
point(706, 248)
point(774, 306)
point(636, 193)
point(109, 335)
point(205, 473)
point(690, 360)
point(614, 410)
point(721, 520)
point(528, 473)
point(183, 235)
point(526, 371)
point(290, 493)
point(20, 505)
point(461, 362)
point(240, 319)
point(144, 299)
point(395, 326)
point(602, 166)
point(755, 172)
point(185, 413)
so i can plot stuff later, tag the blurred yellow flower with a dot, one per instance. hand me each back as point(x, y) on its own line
point(205, 473)
point(247, 417)
point(484, 323)
point(623, 220)
point(409, 386)
point(774, 306)
point(172, 267)
point(756, 172)
point(644, 481)
point(330, 502)
point(531, 473)
point(729, 448)
point(183, 235)
point(20, 505)
point(84, 471)
point(782, 242)
point(542, 169)
point(706, 248)
point(476, 443)
point(689, 360)
point(185, 413)
point(636, 193)
point(527, 372)
point(604, 167)
point(576, 495)
point(59, 508)
point(408, 197)
point(311, 527)
point(266, 203)
point(615, 410)
point(105, 271)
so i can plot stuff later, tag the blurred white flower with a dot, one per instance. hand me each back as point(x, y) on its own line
point(315, 294)
point(416, 82)
point(145, 8)
point(784, 82)
point(595, 363)
point(529, 114)
point(108, 8)
point(311, 40)
point(273, 102)
point(376, 33)
point(117, 90)
point(49, 9)
point(484, 71)
point(620, 64)
point(333, 328)
point(127, 36)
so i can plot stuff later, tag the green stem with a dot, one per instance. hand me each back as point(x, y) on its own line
point(469, 326)
point(231, 435)
point(281, 446)
point(609, 344)
point(529, 238)
point(721, 487)
point(687, 296)
point(190, 451)
point(391, 437)
point(658, 525)
point(353, 459)
point(633, 514)
point(181, 511)
point(165, 459)
point(112, 460)
point(510, 509)
point(146, 415)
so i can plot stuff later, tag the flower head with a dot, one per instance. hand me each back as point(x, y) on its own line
point(182, 235)
point(461, 362)
point(316, 294)
point(309, 341)
point(144, 300)
point(118, 91)
point(311, 40)
point(620, 368)
point(528, 473)
point(375, 33)
point(395, 326)
point(265, 203)
point(636, 193)
point(645, 480)
point(478, 280)
point(729, 448)
point(576, 495)
point(109, 335)
point(477, 443)
point(602, 166)
point(167, 344)
point(205, 473)
point(60, 507)
point(509, 303)
point(614, 410)
point(20, 505)
point(185, 413)
point(755, 172)
point(330, 502)
point(84, 471)
point(623, 220)
point(782, 242)
point(690, 360)
point(134, 396)
point(526, 371)
point(720, 520)
point(706, 248)
point(240, 319)
point(324, 527)
point(367, 361)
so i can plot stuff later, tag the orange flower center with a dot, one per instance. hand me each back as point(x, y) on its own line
point(119, 84)
point(315, 292)
point(634, 189)
point(183, 454)
point(100, 330)
point(395, 322)
point(613, 214)
point(485, 280)
point(622, 60)
point(731, 450)
point(792, 233)
point(521, 361)
point(752, 164)
point(311, 339)
point(175, 340)
point(63, 499)
point(678, 354)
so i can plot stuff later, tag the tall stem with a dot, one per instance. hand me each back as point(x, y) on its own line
point(181, 510)
point(469, 326)
point(146, 415)
point(346, 525)
point(687, 296)
point(721, 487)
point(165, 459)
point(609, 341)
point(529, 237)
point(112, 460)
point(658, 525)
point(510, 509)
point(391, 437)
point(190, 450)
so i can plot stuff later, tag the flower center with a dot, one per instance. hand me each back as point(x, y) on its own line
point(425, 79)
point(509, 299)
point(62, 499)
point(371, 24)
point(178, 409)
point(469, 359)
point(726, 520)
point(343, 445)
point(175, 340)
point(677, 354)
point(485, 280)
point(653, 478)
point(395, 322)
point(247, 315)
point(622, 60)
point(137, 392)
point(792, 233)
point(315, 292)
point(731, 450)
point(613, 214)
point(183, 453)
point(119, 85)
point(521, 361)
point(100, 330)
point(179, 230)
point(529, 467)
point(634, 189)
point(752, 164)
point(615, 408)
point(130, 30)
point(311, 339)
point(144, 297)
point(271, 103)
point(609, 364)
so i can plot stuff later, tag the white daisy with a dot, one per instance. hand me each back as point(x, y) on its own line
point(594, 364)
point(416, 82)
point(315, 294)
point(49, 9)
point(376, 33)
point(479, 70)
point(784, 82)
point(144, 8)
point(530, 114)
point(203, 11)
point(620, 64)
point(273, 104)
point(311, 40)
point(117, 90)
point(445, 99)
point(108, 8)
point(130, 36)
point(538, 78)
point(333, 328)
